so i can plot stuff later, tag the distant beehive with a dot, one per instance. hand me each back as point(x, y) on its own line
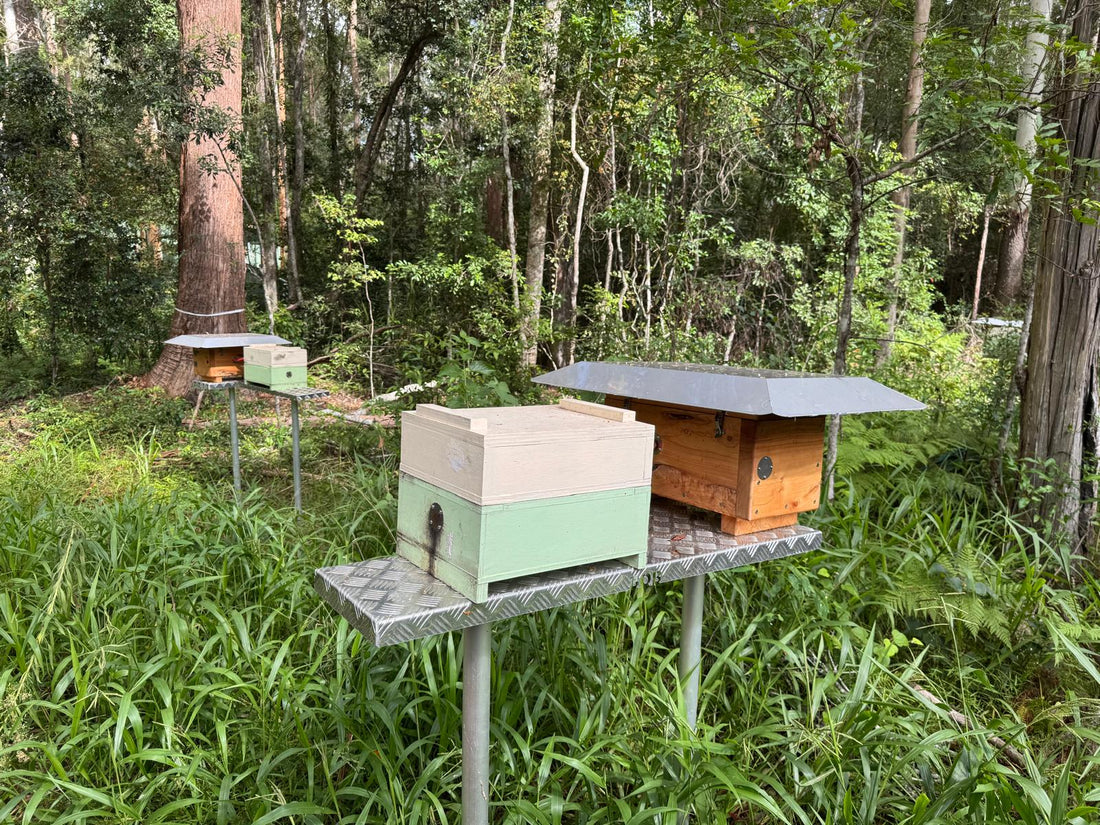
point(744, 443)
point(489, 494)
point(221, 357)
point(275, 367)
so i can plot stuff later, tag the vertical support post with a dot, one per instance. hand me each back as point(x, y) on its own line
point(691, 644)
point(234, 442)
point(296, 452)
point(476, 657)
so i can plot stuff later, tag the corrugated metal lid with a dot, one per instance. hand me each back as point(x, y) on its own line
point(241, 339)
point(733, 389)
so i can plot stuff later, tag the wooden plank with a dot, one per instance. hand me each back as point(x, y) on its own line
point(677, 485)
point(457, 419)
point(688, 442)
point(739, 527)
point(794, 446)
point(598, 410)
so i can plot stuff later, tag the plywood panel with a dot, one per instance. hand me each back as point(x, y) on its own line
point(497, 456)
point(478, 545)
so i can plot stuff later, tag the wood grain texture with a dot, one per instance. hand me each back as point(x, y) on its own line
point(598, 410)
point(739, 527)
point(795, 447)
point(713, 464)
point(218, 364)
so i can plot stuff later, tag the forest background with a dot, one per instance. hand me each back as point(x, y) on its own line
point(456, 195)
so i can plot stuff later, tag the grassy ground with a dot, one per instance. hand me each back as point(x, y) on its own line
point(163, 657)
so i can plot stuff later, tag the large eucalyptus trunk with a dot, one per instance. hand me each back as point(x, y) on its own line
point(1010, 264)
point(540, 183)
point(210, 237)
point(907, 148)
point(1058, 414)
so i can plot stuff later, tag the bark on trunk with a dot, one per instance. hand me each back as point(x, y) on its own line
point(1065, 328)
point(570, 285)
point(540, 183)
point(1010, 263)
point(211, 213)
point(854, 170)
point(907, 148)
point(269, 182)
point(299, 173)
point(364, 167)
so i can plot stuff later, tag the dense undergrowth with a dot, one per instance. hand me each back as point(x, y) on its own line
point(163, 656)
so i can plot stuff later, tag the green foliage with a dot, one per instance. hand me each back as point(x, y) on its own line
point(163, 657)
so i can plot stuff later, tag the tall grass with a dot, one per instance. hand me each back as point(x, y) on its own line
point(164, 659)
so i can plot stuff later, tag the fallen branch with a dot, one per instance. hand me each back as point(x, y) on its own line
point(960, 719)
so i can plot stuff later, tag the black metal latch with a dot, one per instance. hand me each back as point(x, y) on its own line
point(719, 424)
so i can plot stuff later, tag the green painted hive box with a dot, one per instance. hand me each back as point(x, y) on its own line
point(276, 367)
point(490, 494)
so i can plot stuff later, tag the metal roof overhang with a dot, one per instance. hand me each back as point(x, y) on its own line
point(243, 339)
point(733, 389)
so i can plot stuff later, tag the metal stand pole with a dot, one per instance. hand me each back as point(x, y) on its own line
point(691, 643)
point(477, 644)
point(234, 443)
point(691, 647)
point(295, 450)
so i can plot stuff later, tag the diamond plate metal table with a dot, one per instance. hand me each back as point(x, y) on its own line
point(389, 600)
point(295, 394)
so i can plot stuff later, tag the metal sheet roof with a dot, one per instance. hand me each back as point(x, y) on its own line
point(242, 339)
point(733, 389)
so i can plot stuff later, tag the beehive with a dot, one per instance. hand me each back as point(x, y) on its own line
point(274, 366)
point(220, 357)
point(489, 494)
point(747, 444)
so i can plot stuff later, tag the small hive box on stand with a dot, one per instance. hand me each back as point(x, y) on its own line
point(490, 494)
point(747, 444)
point(220, 357)
point(275, 367)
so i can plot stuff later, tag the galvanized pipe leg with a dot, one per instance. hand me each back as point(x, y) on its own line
point(476, 646)
point(295, 451)
point(691, 643)
point(234, 443)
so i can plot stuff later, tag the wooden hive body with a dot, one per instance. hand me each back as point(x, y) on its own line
point(487, 495)
point(274, 366)
point(219, 364)
point(758, 472)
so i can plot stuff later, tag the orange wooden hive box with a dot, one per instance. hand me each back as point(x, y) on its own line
point(220, 357)
point(747, 444)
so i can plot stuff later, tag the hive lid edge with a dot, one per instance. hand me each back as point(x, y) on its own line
point(738, 390)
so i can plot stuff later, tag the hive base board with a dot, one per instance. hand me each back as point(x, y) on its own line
point(478, 545)
point(742, 527)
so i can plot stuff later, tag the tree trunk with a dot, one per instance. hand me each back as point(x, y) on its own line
point(297, 178)
point(364, 166)
point(854, 169)
point(907, 148)
point(987, 214)
point(210, 236)
point(1010, 264)
point(509, 180)
point(570, 285)
point(11, 31)
point(540, 183)
point(269, 174)
point(1064, 343)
